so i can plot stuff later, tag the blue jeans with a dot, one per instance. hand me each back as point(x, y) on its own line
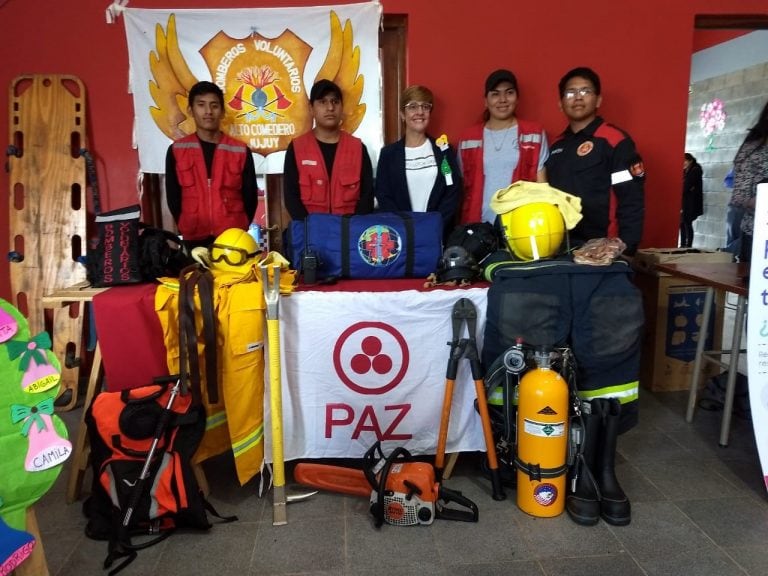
point(733, 229)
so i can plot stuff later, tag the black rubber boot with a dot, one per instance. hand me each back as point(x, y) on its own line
point(583, 499)
point(614, 504)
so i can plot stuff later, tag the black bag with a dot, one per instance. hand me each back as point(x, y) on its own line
point(128, 251)
point(122, 428)
point(114, 260)
point(712, 396)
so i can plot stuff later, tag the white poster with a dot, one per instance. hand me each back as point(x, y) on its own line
point(358, 367)
point(265, 60)
point(757, 328)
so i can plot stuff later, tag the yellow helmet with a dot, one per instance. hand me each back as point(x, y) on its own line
point(233, 247)
point(534, 231)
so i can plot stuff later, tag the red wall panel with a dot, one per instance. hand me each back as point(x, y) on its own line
point(642, 54)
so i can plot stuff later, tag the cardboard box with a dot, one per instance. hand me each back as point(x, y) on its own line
point(673, 313)
point(646, 259)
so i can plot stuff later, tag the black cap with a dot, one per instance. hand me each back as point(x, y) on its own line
point(499, 76)
point(322, 88)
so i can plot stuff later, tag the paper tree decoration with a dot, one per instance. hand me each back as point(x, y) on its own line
point(33, 439)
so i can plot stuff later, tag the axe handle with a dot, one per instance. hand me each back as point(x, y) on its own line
point(276, 401)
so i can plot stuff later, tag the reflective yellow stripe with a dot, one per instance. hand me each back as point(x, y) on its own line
point(496, 398)
point(215, 420)
point(254, 438)
point(626, 393)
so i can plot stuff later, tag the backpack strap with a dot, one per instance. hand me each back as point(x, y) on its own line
point(194, 277)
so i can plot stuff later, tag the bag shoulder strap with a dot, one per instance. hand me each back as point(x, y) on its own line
point(346, 221)
point(410, 242)
point(194, 277)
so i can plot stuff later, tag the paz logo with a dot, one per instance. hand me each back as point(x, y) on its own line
point(262, 80)
point(379, 245)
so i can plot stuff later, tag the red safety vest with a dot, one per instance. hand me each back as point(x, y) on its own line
point(471, 151)
point(319, 193)
point(209, 208)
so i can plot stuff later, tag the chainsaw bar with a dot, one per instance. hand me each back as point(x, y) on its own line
point(332, 478)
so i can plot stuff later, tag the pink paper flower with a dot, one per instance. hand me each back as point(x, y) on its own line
point(712, 117)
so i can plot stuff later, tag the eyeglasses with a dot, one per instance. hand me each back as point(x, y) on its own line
point(583, 92)
point(231, 255)
point(416, 106)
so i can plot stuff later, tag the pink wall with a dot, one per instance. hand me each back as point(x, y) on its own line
point(642, 55)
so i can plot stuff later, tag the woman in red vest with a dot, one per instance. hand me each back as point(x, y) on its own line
point(500, 150)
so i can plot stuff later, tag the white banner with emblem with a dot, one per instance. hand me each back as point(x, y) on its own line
point(364, 366)
point(265, 60)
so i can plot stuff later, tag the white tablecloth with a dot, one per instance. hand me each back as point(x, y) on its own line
point(362, 366)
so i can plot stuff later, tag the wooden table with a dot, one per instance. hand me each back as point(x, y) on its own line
point(724, 277)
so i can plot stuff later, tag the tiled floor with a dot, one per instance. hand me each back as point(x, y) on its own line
point(696, 509)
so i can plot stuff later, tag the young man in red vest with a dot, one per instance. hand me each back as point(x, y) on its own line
point(327, 170)
point(210, 179)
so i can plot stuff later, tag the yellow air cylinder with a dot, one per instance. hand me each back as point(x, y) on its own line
point(542, 440)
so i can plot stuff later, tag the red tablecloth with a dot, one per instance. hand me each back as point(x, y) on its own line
point(130, 336)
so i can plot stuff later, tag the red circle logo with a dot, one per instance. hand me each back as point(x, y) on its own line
point(371, 357)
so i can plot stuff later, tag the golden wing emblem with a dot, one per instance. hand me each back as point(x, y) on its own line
point(341, 66)
point(170, 84)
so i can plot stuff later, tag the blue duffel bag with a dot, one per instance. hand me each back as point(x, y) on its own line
point(378, 245)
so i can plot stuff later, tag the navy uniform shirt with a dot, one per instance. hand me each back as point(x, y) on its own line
point(600, 165)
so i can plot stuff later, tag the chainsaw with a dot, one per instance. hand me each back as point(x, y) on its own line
point(402, 492)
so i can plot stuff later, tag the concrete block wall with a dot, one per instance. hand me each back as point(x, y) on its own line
point(744, 93)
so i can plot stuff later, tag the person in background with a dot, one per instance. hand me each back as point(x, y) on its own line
point(500, 150)
point(416, 173)
point(750, 167)
point(693, 198)
point(733, 217)
point(210, 180)
point(327, 170)
point(599, 163)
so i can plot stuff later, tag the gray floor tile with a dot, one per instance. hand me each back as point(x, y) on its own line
point(619, 564)
point(303, 545)
point(705, 562)
point(691, 478)
point(660, 529)
point(528, 568)
point(697, 509)
point(730, 521)
point(754, 559)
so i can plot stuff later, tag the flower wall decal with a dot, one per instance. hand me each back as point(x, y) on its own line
point(712, 120)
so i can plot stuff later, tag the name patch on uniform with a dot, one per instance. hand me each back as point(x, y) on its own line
point(621, 176)
point(585, 148)
point(309, 162)
point(467, 144)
